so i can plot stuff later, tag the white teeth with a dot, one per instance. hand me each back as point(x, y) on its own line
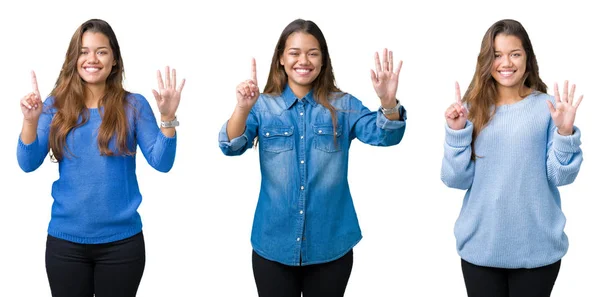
point(302, 71)
point(91, 69)
point(506, 73)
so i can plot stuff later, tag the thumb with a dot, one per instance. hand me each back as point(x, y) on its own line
point(373, 77)
point(156, 95)
point(550, 106)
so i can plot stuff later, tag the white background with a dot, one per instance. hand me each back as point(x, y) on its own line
point(197, 218)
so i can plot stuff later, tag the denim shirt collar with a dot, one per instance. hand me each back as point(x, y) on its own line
point(290, 98)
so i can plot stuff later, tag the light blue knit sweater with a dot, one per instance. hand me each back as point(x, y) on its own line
point(511, 215)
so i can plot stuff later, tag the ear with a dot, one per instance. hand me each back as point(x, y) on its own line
point(114, 62)
point(281, 61)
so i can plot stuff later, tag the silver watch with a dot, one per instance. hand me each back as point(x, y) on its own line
point(170, 124)
point(392, 110)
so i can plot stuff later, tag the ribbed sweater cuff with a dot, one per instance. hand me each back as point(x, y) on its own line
point(569, 143)
point(459, 138)
point(27, 147)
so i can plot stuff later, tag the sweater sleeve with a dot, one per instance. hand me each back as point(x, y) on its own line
point(31, 156)
point(158, 149)
point(457, 166)
point(564, 156)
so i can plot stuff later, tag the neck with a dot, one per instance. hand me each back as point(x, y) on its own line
point(510, 95)
point(93, 93)
point(299, 91)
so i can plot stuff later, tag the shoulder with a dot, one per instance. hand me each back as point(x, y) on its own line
point(540, 96)
point(537, 101)
point(343, 100)
point(49, 105)
point(137, 100)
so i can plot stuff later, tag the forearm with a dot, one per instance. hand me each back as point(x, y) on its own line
point(237, 123)
point(29, 131)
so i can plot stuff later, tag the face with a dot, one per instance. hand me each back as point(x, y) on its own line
point(302, 60)
point(96, 58)
point(509, 61)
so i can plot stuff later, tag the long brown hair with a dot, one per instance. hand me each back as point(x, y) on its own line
point(482, 92)
point(69, 98)
point(323, 86)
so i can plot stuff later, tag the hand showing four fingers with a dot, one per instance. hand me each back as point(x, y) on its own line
point(565, 108)
point(385, 79)
point(168, 97)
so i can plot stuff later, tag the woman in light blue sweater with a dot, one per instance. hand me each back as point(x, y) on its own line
point(510, 148)
point(92, 127)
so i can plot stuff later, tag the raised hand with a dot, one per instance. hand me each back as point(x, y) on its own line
point(31, 104)
point(456, 114)
point(385, 79)
point(247, 91)
point(167, 97)
point(563, 112)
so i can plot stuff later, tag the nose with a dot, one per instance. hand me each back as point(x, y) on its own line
point(303, 60)
point(506, 61)
point(93, 58)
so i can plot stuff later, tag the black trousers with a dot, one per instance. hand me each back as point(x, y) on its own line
point(499, 282)
point(107, 270)
point(329, 279)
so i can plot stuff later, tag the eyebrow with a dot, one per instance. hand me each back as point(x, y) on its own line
point(102, 47)
point(296, 48)
point(515, 50)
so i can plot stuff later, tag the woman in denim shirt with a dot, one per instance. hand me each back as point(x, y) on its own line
point(305, 225)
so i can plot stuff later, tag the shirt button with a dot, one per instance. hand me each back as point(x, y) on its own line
point(301, 212)
point(301, 187)
point(320, 131)
point(285, 133)
point(267, 134)
point(301, 136)
point(298, 239)
point(301, 161)
point(301, 113)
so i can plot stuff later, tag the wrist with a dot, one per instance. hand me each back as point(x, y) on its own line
point(387, 109)
point(245, 111)
point(30, 122)
point(168, 121)
point(167, 118)
point(388, 102)
point(565, 132)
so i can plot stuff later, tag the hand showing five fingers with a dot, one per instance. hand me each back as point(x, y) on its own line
point(168, 97)
point(31, 104)
point(456, 114)
point(247, 91)
point(564, 110)
point(385, 79)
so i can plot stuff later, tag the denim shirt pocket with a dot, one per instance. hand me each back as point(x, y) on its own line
point(324, 140)
point(277, 139)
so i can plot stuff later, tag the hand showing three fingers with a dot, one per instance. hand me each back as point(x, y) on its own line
point(247, 91)
point(564, 110)
point(385, 79)
point(31, 104)
point(168, 97)
point(456, 114)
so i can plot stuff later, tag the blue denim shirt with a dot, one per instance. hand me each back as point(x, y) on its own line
point(305, 214)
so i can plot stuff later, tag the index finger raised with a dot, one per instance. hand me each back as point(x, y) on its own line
point(253, 71)
point(34, 83)
point(458, 96)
